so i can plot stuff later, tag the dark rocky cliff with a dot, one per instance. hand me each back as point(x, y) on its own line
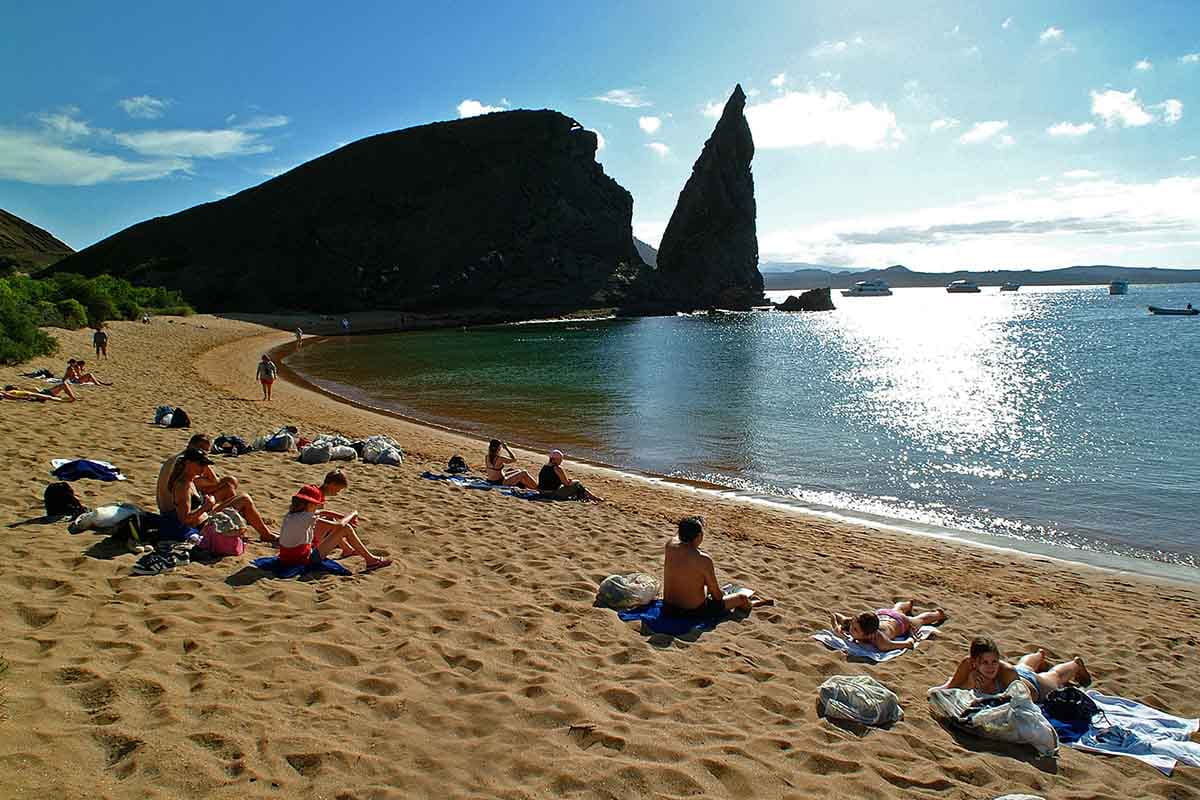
point(26, 247)
point(507, 210)
point(708, 256)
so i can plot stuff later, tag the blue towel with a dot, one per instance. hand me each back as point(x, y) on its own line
point(1130, 728)
point(654, 617)
point(279, 569)
point(469, 482)
point(83, 468)
point(854, 649)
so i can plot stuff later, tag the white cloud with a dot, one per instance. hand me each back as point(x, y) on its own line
point(943, 124)
point(193, 144)
point(822, 117)
point(779, 80)
point(713, 109)
point(1005, 140)
point(1070, 130)
point(1190, 58)
point(1051, 34)
point(1007, 23)
point(660, 149)
point(259, 122)
point(1188, 158)
point(625, 98)
point(474, 108)
point(1122, 108)
point(144, 106)
point(982, 131)
point(601, 142)
point(835, 48)
point(1172, 111)
point(29, 158)
point(973, 50)
point(650, 231)
point(649, 124)
point(1144, 65)
point(1080, 174)
point(64, 124)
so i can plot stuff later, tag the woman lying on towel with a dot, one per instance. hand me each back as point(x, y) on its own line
point(984, 671)
point(307, 535)
point(884, 627)
point(190, 507)
point(497, 475)
point(53, 393)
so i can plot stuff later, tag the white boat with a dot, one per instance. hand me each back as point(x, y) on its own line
point(867, 289)
point(1118, 287)
point(1009, 287)
point(962, 287)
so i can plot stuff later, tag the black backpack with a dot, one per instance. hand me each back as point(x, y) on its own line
point(1071, 706)
point(60, 501)
point(457, 465)
point(180, 419)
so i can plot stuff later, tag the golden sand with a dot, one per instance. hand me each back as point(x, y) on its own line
point(477, 666)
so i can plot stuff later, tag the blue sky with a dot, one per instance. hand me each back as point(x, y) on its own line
point(938, 135)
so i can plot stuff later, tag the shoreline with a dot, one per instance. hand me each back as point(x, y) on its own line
point(1094, 559)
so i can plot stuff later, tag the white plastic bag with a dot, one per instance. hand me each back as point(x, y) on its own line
point(859, 698)
point(1011, 716)
point(628, 591)
point(103, 518)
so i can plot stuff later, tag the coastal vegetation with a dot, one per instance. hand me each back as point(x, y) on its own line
point(70, 301)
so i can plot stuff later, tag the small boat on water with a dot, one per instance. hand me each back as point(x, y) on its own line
point(867, 289)
point(962, 287)
point(1175, 312)
point(1118, 287)
point(1009, 287)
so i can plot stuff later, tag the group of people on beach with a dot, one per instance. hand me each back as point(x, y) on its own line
point(552, 481)
point(75, 374)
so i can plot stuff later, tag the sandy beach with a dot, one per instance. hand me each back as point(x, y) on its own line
point(477, 666)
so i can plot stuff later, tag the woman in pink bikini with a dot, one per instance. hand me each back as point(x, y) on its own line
point(882, 628)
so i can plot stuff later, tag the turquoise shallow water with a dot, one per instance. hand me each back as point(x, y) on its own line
point(1056, 415)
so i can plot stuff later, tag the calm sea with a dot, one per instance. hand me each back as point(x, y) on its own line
point(1055, 417)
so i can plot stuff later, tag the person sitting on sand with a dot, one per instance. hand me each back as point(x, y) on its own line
point(690, 586)
point(190, 507)
point(883, 628)
point(303, 525)
point(554, 483)
point(208, 482)
point(495, 472)
point(985, 671)
point(333, 484)
point(77, 374)
point(48, 394)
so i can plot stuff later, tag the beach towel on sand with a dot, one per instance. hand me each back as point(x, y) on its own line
point(471, 482)
point(1129, 728)
point(854, 649)
point(658, 619)
point(73, 469)
point(279, 569)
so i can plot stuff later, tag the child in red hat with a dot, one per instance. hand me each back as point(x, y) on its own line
point(301, 526)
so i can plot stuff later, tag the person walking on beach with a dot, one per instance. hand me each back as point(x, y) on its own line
point(554, 483)
point(494, 468)
point(887, 627)
point(100, 341)
point(690, 586)
point(267, 371)
point(985, 671)
point(299, 338)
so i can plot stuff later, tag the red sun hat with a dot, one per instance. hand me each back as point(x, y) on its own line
point(310, 493)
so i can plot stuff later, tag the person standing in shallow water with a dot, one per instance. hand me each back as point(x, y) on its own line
point(690, 584)
point(267, 372)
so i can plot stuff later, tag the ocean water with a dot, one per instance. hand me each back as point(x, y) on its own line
point(1057, 416)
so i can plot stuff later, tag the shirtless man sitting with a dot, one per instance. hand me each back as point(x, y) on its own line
point(690, 579)
point(221, 489)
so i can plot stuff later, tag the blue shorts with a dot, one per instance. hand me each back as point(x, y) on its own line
point(1029, 676)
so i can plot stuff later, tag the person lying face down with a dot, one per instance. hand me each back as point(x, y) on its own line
point(885, 627)
point(984, 670)
point(690, 585)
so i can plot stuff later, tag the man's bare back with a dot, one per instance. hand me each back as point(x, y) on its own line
point(689, 577)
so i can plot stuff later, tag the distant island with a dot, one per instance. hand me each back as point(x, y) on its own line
point(899, 276)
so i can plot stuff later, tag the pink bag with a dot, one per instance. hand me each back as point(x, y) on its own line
point(222, 534)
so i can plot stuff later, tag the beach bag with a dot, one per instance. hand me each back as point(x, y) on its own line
point(631, 590)
point(342, 452)
point(1008, 717)
point(457, 465)
point(280, 443)
point(222, 534)
point(60, 501)
point(1070, 705)
point(161, 413)
point(858, 698)
point(315, 454)
point(103, 518)
point(230, 445)
point(179, 419)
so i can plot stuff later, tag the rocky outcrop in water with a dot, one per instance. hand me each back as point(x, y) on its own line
point(708, 256)
point(26, 247)
point(504, 211)
point(812, 300)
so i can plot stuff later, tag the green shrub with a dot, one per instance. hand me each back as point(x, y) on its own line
point(74, 315)
point(20, 339)
point(47, 315)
